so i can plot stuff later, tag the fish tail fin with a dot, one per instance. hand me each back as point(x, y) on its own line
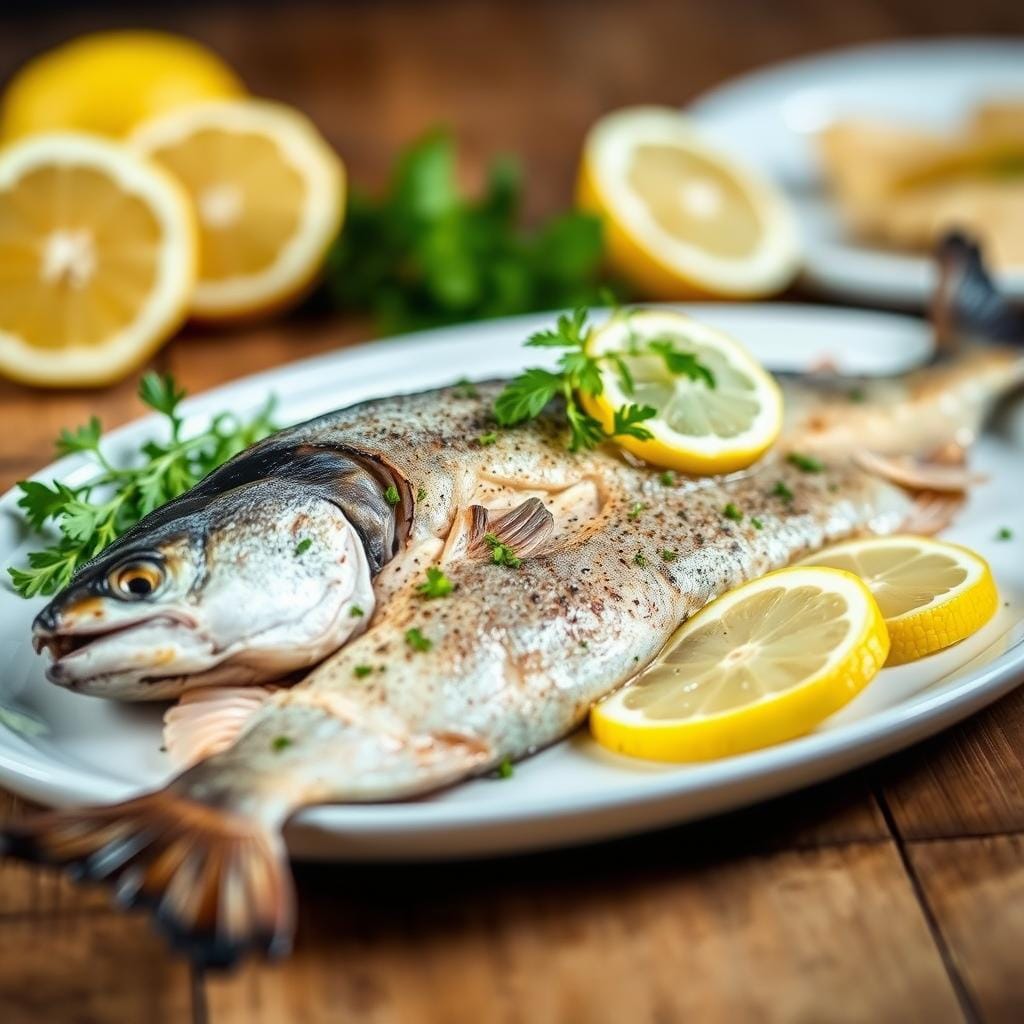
point(217, 882)
point(967, 306)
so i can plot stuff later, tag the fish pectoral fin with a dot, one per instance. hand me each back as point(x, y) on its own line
point(936, 474)
point(525, 528)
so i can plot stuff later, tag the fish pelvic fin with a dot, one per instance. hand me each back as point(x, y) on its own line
point(216, 882)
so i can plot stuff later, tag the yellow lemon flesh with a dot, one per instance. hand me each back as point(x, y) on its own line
point(97, 260)
point(108, 82)
point(765, 663)
point(933, 594)
point(681, 219)
point(268, 194)
point(701, 427)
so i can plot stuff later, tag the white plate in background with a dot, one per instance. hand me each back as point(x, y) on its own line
point(769, 118)
point(90, 749)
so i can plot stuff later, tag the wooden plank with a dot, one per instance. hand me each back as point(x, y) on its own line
point(94, 968)
point(975, 888)
point(967, 781)
point(624, 933)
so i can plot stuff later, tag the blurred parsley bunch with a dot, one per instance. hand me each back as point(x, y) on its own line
point(423, 255)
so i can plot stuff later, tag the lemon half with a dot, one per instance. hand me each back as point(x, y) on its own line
point(932, 593)
point(97, 260)
point(269, 198)
point(681, 218)
point(765, 663)
point(700, 428)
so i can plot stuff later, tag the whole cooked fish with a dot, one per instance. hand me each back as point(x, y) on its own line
point(422, 693)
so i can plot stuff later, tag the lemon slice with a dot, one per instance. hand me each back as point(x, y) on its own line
point(107, 82)
point(269, 196)
point(682, 219)
point(97, 260)
point(932, 594)
point(765, 663)
point(698, 429)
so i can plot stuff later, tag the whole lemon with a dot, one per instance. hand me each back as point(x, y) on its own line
point(108, 82)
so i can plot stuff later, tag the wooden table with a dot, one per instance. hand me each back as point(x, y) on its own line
point(895, 894)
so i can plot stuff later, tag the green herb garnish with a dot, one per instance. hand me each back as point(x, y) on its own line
point(732, 512)
point(667, 479)
point(436, 584)
point(638, 559)
point(857, 395)
point(303, 546)
point(279, 743)
point(501, 553)
point(417, 641)
point(362, 671)
point(355, 612)
point(579, 373)
point(668, 555)
point(465, 388)
point(391, 495)
point(424, 254)
point(805, 463)
point(91, 515)
point(635, 511)
point(1004, 533)
point(485, 439)
point(421, 492)
point(756, 523)
point(780, 490)
point(505, 769)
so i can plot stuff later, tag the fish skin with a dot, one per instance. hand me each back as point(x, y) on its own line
point(519, 655)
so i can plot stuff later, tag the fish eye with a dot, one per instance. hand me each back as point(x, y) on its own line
point(136, 580)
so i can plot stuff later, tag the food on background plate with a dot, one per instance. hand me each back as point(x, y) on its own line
point(97, 260)
point(682, 219)
point(269, 196)
point(932, 594)
point(108, 82)
point(424, 254)
point(905, 186)
point(764, 663)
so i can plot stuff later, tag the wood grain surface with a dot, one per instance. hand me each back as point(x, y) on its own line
point(896, 894)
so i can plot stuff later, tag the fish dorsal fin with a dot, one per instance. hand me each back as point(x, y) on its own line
point(525, 528)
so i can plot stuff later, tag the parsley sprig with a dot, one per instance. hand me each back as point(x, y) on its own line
point(90, 515)
point(579, 373)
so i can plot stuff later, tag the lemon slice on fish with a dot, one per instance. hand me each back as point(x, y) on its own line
point(718, 409)
point(765, 663)
point(933, 594)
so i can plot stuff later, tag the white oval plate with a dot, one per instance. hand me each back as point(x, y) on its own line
point(769, 119)
point(94, 750)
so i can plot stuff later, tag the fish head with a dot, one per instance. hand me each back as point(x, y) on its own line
point(242, 587)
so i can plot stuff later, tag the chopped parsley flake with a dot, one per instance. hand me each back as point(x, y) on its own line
point(780, 490)
point(362, 671)
point(280, 743)
point(805, 463)
point(485, 439)
point(505, 769)
point(856, 395)
point(465, 388)
point(436, 584)
point(638, 559)
point(1004, 533)
point(391, 495)
point(501, 553)
point(732, 512)
point(417, 641)
point(355, 612)
point(668, 478)
point(668, 555)
point(421, 492)
point(303, 546)
point(756, 523)
point(634, 512)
